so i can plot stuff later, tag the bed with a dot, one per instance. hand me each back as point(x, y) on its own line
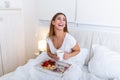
point(99, 58)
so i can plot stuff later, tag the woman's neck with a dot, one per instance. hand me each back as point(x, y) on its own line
point(60, 34)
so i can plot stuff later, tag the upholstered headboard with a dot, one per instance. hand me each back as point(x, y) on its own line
point(86, 38)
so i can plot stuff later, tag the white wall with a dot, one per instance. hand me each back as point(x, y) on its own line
point(10, 3)
point(99, 12)
point(30, 23)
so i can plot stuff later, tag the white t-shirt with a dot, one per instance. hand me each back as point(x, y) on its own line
point(67, 45)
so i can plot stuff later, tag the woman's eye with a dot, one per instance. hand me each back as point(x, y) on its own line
point(58, 18)
point(64, 19)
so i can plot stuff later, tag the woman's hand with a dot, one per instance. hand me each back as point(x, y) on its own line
point(75, 51)
point(66, 55)
point(55, 57)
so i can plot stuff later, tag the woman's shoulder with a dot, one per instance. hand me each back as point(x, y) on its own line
point(71, 40)
point(70, 36)
point(49, 38)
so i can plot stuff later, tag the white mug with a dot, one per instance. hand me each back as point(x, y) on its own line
point(60, 54)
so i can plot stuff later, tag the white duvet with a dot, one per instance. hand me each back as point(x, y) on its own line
point(28, 72)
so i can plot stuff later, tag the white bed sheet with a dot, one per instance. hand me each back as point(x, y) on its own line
point(24, 72)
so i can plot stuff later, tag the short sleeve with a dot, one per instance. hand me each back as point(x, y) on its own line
point(72, 41)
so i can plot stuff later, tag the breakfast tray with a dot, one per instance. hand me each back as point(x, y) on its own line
point(61, 68)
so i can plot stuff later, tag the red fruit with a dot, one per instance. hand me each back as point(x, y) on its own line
point(45, 63)
point(48, 62)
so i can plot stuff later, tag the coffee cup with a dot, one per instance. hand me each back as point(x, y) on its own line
point(60, 54)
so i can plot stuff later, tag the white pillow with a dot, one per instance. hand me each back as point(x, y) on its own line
point(105, 63)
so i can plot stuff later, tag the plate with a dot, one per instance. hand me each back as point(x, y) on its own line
point(60, 68)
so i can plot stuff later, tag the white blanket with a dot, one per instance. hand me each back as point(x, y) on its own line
point(28, 72)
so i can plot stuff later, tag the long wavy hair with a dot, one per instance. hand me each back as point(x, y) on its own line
point(51, 30)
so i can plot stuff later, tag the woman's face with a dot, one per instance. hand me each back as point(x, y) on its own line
point(59, 22)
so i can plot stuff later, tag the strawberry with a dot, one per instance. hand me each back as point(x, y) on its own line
point(48, 62)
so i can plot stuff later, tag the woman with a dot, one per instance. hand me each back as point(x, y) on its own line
point(59, 38)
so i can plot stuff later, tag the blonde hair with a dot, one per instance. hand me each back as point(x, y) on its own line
point(51, 31)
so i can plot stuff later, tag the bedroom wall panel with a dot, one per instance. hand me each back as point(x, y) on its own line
point(31, 24)
point(12, 39)
point(102, 12)
point(47, 8)
point(1, 66)
point(1, 71)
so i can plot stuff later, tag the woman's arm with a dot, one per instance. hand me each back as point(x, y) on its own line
point(54, 56)
point(75, 51)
